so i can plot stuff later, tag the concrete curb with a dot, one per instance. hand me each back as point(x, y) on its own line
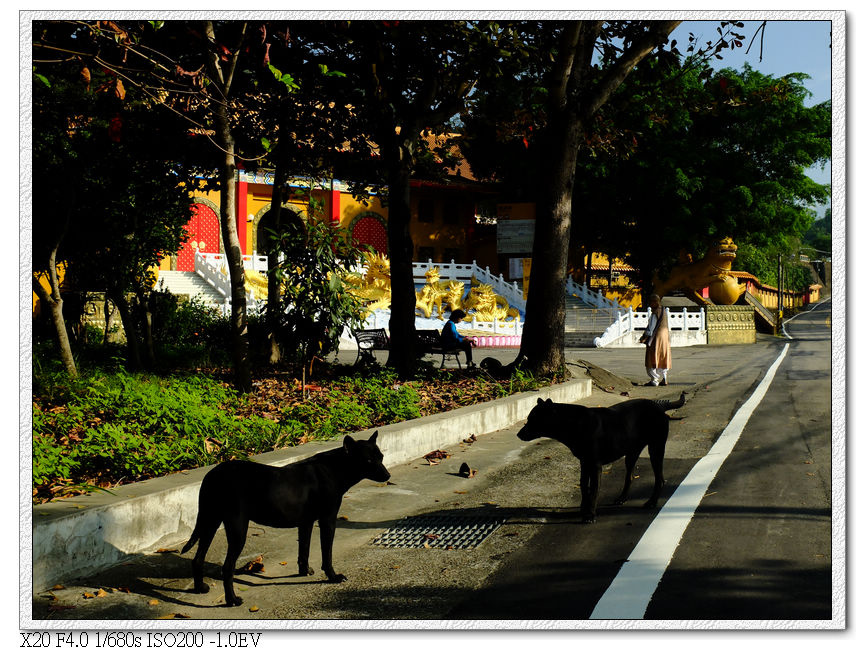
point(84, 535)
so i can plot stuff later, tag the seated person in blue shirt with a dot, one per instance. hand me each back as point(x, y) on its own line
point(453, 339)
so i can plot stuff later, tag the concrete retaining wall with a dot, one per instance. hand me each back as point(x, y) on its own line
point(83, 535)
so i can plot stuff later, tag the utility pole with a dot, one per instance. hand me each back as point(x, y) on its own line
point(780, 296)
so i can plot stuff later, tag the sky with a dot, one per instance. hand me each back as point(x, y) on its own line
point(787, 46)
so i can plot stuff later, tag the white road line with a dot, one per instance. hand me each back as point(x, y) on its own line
point(629, 593)
point(784, 324)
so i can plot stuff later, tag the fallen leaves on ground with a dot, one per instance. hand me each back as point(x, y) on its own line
point(437, 456)
point(276, 394)
point(254, 566)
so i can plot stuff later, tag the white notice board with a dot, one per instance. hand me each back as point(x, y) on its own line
point(513, 237)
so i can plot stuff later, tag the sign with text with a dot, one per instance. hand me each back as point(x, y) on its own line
point(514, 237)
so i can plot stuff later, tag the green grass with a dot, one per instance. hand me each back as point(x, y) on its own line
point(114, 427)
point(110, 427)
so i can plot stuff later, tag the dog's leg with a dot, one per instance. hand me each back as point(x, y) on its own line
point(235, 533)
point(327, 526)
point(630, 463)
point(207, 530)
point(590, 479)
point(304, 535)
point(656, 456)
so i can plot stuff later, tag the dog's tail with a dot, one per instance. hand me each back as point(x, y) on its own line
point(669, 405)
point(192, 540)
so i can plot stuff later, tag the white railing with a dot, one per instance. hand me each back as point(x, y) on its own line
point(686, 320)
point(510, 291)
point(380, 319)
point(633, 321)
point(594, 298)
point(254, 262)
point(209, 266)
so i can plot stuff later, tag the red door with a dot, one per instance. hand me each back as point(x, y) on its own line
point(203, 229)
point(369, 230)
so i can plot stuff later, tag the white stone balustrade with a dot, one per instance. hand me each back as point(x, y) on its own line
point(686, 328)
point(593, 298)
point(209, 267)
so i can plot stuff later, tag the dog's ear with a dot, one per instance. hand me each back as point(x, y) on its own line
point(373, 436)
point(540, 401)
point(348, 443)
point(549, 401)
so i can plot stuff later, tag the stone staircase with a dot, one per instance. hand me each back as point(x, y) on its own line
point(583, 323)
point(189, 283)
point(766, 319)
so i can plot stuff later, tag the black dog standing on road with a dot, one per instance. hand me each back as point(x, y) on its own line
point(598, 436)
point(297, 495)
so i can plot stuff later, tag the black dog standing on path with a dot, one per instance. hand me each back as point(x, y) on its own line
point(598, 436)
point(295, 496)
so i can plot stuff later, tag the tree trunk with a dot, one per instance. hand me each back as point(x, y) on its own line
point(106, 311)
point(543, 341)
point(223, 74)
point(572, 100)
point(143, 298)
point(54, 300)
point(234, 258)
point(402, 355)
point(54, 303)
point(273, 301)
point(133, 345)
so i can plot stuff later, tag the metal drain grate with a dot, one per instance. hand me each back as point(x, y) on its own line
point(438, 531)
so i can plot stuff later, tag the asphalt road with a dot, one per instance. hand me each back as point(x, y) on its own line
point(758, 546)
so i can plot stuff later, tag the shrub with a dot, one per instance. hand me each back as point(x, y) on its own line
point(107, 428)
point(181, 321)
point(111, 427)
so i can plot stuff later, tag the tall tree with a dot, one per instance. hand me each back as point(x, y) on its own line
point(409, 76)
point(310, 130)
point(577, 88)
point(55, 155)
point(555, 117)
point(719, 153)
point(222, 57)
point(111, 187)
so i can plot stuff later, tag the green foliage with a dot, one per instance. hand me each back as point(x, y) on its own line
point(110, 426)
point(115, 426)
point(798, 276)
point(762, 262)
point(388, 400)
point(316, 303)
point(181, 322)
point(759, 262)
point(819, 237)
point(111, 197)
point(728, 158)
point(283, 78)
point(119, 426)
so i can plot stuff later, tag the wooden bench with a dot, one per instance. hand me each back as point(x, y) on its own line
point(430, 342)
point(369, 340)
